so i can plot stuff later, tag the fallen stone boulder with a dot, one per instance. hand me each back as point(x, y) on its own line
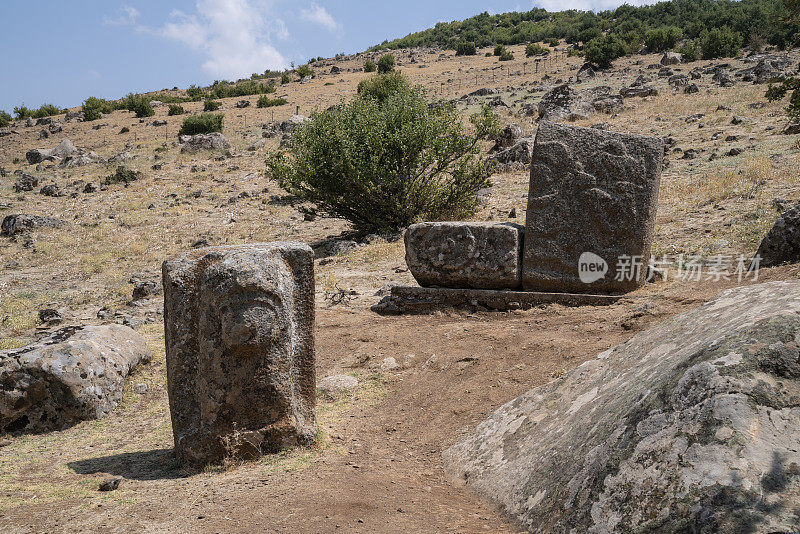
point(63, 150)
point(516, 157)
point(293, 122)
point(239, 324)
point(195, 143)
point(639, 91)
point(671, 58)
point(687, 427)
point(26, 182)
point(465, 255)
point(508, 137)
point(782, 243)
point(591, 210)
point(73, 375)
point(563, 103)
point(767, 69)
point(20, 223)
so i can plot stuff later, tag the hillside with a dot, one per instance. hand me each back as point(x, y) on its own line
point(377, 465)
point(748, 18)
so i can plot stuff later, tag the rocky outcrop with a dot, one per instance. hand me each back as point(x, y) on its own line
point(591, 204)
point(21, 223)
point(515, 157)
point(782, 243)
point(73, 375)
point(671, 58)
point(508, 137)
point(565, 104)
point(687, 427)
point(239, 323)
point(465, 255)
point(767, 69)
point(195, 143)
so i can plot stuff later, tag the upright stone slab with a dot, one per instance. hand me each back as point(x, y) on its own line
point(240, 350)
point(592, 200)
point(465, 255)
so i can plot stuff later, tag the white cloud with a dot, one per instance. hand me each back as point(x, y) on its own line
point(319, 15)
point(127, 17)
point(232, 34)
point(588, 5)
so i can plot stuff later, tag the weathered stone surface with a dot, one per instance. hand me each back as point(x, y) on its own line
point(591, 191)
point(782, 243)
point(240, 350)
point(73, 375)
point(26, 182)
point(688, 427)
point(413, 299)
point(337, 384)
point(19, 223)
point(196, 143)
point(465, 255)
point(671, 58)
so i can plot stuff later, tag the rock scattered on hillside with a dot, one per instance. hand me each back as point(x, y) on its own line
point(782, 243)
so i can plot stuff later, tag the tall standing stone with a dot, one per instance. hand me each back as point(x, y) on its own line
point(592, 197)
point(240, 350)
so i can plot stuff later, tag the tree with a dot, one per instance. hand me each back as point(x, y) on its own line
point(720, 42)
point(603, 50)
point(466, 48)
point(370, 66)
point(386, 64)
point(387, 158)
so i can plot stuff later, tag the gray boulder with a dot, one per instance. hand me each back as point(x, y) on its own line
point(243, 104)
point(465, 255)
point(563, 103)
point(639, 91)
point(26, 182)
point(591, 202)
point(63, 150)
point(678, 80)
point(293, 122)
point(20, 223)
point(508, 137)
point(723, 78)
point(585, 73)
point(782, 243)
point(517, 156)
point(239, 324)
point(333, 385)
point(195, 143)
point(687, 427)
point(671, 58)
point(73, 375)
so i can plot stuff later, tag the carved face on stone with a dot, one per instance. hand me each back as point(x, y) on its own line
point(249, 308)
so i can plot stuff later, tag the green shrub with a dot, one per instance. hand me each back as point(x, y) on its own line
point(384, 161)
point(604, 50)
point(122, 175)
point(662, 39)
point(507, 56)
point(488, 54)
point(195, 93)
point(386, 64)
point(139, 104)
point(499, 50)
point(381, 86)
point(266, 102)
point(285, 78)
point(720, 42)
point(93, 108)
point(21, 112)
point(689, 50)
point(47, 110)
point(304, 71)
point(535, 49)
point(175, 109)
point(789, 85)
point(466, 48)
point(211, 105)
point(5, 119)
point(572, 52)
point(202, 124)
point(553, 42)
point(370, 66)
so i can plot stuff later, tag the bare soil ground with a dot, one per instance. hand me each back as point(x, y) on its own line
point(377, 464)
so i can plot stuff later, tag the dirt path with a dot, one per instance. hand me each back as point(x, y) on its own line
point(377, 466)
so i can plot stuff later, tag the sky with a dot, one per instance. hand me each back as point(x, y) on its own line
point(108, 48)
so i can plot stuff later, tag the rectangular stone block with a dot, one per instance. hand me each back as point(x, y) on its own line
point(239, 328)
point(591, 210)
point(465, 254)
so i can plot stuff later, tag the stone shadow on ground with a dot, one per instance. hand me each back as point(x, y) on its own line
point(157, 464)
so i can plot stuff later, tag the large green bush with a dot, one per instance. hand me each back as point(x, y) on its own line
point(47, 110)
point(175, 109)
point(690, 50)
point(603, 50)
point(466, 48)
point(211, 105)
point(386, 64)
point(202, 124)
point(266, 102)
point(662, 39)
point(370, 66)
point(22, 112)
point(382, 86)
point(385, 160)
point(5, 119)
point(499, 50)
point(93, 108)
point(139, 104)
point(304, 70)
point(535, 49)
point(720, 42)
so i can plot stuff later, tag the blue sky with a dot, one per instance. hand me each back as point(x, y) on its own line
point(107, 48)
